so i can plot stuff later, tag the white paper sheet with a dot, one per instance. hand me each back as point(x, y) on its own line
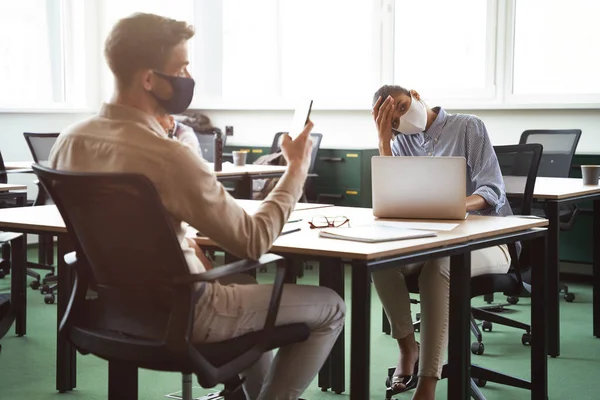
point(426, 226)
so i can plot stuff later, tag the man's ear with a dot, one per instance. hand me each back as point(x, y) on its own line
point(147, 78)
point(415, 94)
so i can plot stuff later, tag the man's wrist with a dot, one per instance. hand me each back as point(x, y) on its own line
point(297, 168)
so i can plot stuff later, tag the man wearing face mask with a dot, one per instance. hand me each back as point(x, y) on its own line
point(148, 57)
point(407, 127)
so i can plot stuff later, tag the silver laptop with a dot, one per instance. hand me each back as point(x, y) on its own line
point(419, 187)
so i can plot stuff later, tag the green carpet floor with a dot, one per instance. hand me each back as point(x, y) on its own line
point(27, 364)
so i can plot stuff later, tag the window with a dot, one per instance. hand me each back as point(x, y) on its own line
point(445, 49)
point(276, 51)
point(327, 49)
point(554, 54)
point(32, 48)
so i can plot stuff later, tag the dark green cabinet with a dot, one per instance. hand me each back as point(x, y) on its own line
point(344, 176)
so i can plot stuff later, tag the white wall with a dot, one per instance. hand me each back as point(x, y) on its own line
point(355, 129)
point(341, 129)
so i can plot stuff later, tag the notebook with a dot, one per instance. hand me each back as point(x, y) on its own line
point(374, 234)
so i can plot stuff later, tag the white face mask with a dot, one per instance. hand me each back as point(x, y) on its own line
point(414, 120)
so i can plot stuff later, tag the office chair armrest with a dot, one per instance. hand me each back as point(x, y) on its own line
point(80, 287)
point(71, 259)
point(226, 270)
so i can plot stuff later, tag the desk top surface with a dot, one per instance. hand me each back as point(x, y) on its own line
point(47, 218)
point(6, 187)
point(551, 188)
point(8, 165)
point(308, 242)
point(228, 168)
point(249, 169)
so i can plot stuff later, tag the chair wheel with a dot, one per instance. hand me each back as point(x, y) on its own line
point(45, 288)
point(2, 274)
point(486, 326)
point(512, 300)
point(526, 339)
point(569, 297)
point(35, 285)
point(477, 348)
point(49, 299)
point(418, 316)
point(480, 382)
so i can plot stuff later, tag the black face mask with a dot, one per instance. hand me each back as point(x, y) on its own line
point(183, 92)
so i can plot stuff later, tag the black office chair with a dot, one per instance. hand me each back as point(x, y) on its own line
point(127, 252)
point(316, 138)
point(519, 161)
point(559, 149)
point(516, 161)
point(207, 144)
point(40, 145)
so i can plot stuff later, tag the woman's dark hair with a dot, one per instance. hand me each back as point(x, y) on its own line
point(389, 90)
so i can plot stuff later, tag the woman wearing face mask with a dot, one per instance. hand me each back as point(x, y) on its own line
point(407, 127)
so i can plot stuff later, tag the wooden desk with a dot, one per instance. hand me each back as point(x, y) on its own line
point(10, 165)
point(554, 192)
point(249, 169)
point(47, 219)
point(243, 176)
point(474, 233)
point(7, 187)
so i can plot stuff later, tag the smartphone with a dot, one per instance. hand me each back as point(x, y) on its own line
point(301, 117)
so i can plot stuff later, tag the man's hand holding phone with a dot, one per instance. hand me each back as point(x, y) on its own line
point(297, 152)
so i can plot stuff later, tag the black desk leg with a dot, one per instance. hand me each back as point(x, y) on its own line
point(552, 296)
point(539, 316)
point(18, 257)
point(360, 341)
point(21, 199)
point(338, 370)
point(244, 188)
point(596, 266)
point(66, 368)
point(459, 356)
point(325, 372)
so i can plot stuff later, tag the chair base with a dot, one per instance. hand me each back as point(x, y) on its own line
point(234, 392)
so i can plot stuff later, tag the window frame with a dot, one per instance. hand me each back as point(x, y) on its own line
point(83, 83)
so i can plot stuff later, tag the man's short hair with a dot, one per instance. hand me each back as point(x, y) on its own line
point(389, 90)
point(142, 41)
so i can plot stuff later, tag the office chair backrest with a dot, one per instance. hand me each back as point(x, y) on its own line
point(559, 148)
point(129, 248)
point(40, 145)
point(519, 166)
point(3, 175)
point(316, 139)
point(207, 145)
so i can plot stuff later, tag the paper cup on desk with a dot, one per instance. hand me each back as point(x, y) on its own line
point(590, 174)
point(239, 158)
